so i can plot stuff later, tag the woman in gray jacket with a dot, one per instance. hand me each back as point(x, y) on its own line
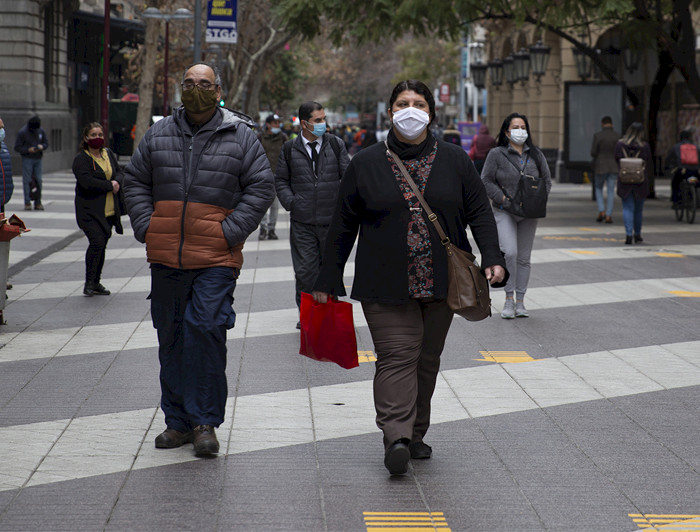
point(514, 156)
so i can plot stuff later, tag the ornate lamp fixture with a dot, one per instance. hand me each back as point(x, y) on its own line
point(539, 58)
point(509, 69)
point(496, 72)
point(521, 65)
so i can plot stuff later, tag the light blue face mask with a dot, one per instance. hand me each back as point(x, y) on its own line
point(275, 130)
point(2, 134)
point(319, 129)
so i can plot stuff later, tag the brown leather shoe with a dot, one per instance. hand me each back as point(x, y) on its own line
point(601, 216)
point(205, 442)
point(171, 438)
point(608, 220)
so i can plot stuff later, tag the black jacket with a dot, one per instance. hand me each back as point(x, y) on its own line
point(91, 189)
point(372, 203)
point(31, 138)
point(311, 199)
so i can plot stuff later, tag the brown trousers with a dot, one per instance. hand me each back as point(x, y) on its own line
point(408, 340)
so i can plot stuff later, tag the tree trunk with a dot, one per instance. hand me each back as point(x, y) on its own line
point(145, 108)
point(663, 74)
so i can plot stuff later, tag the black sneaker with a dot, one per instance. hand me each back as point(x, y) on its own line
point(95, 290)
point(262, 235)
point(272, 236)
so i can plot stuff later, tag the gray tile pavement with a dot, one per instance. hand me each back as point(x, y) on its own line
point(596, 430)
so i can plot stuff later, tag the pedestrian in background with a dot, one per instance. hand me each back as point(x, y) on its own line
point(401, 264)
point(632, 144)
point(98, 204)
point(482, 144)
point(6, 169)
point(516, 155)
point(272, 139)
point(307, 181)
point(605, 167)
point(31, 143)
point(194, 224)
point(682, 162)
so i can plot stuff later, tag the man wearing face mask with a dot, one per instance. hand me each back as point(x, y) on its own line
point(272, 139)
point(307, 181)
point(197, 186)
point(6, 184)
point(31, 143)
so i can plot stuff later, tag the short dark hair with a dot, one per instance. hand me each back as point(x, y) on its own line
point(418, 87)
point(86, 130)
point(606, 120)
point(687, 134)
point(502, 139)
point(307, 108)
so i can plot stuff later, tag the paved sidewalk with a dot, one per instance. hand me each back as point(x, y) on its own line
point(582, 417)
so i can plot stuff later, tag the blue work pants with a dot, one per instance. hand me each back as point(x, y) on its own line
point(191, 310)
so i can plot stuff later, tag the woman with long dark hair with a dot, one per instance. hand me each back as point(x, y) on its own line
point(401, 264)
point(632, 144)
point(515, 155)
point(97, 202)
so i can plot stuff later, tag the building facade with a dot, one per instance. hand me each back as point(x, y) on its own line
point(50, 66)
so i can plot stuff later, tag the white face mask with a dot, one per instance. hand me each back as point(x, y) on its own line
point(410, 122)
point(518, 136)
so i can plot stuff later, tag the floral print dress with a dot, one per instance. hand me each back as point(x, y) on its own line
point(420, 256)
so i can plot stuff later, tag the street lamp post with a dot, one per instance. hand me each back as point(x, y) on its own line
point(155, 13)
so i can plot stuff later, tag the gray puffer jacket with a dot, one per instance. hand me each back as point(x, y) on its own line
point(194, 199)
point(501, 177)
point(311, 199)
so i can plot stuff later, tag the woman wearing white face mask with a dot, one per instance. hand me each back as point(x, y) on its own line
point(401, 265)
point(514, 156)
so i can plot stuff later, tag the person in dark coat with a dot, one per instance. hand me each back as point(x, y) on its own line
point(632, 144)
point(605, 167)
point(97, 202)
point(307, 182)
point(6, 184)
point(678, 167)
point(482, 144)
point(401, 264)
point(31, 143)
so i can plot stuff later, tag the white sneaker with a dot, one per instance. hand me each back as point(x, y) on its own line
point(520, 310)
point(508, 311)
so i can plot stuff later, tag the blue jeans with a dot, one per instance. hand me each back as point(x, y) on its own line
point(191, 310)
point(29, 167)
point(600, 181)
point(632, 214)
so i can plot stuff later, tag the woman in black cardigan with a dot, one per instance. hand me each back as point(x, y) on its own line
point(97, 202)
point(401, 266)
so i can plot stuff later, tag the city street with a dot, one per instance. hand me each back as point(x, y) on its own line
point(583, 417)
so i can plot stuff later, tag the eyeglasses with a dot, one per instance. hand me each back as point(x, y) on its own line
point(204, 85)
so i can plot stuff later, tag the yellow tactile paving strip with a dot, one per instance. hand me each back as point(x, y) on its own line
point(405, 522)
point(667, 522)
point(505, 357)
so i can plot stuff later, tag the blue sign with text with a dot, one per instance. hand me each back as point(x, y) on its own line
point(221, 21)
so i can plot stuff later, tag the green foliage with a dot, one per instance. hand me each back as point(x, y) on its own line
point(280, 79)
point(428, 60)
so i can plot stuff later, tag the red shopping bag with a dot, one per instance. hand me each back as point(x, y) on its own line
point(328, 332)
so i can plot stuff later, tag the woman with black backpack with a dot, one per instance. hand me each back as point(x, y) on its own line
point(633, 146)
point(514, 159)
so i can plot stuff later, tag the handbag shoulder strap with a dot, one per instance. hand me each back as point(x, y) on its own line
point(431, 215)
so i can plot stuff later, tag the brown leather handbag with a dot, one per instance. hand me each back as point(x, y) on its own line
point(467, 287)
